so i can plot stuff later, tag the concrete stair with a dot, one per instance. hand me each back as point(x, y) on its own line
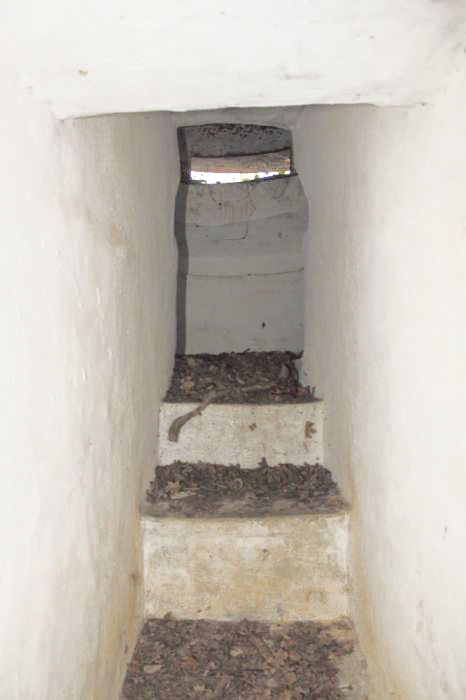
point(279, 568)
point(266, 566)
point(245, 433)
point(245, 660)
point(281, 565)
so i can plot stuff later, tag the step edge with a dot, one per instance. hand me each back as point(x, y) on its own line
point(146, 508)
point(284, 519)
point(276, 404)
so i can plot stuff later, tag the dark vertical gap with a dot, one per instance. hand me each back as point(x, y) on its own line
point(181, 241)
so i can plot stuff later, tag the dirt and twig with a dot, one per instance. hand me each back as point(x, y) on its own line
point(215, 490)
point(214, 396)
point(185, 659)
point(238, 377)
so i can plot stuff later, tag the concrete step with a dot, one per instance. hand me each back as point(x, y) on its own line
point(277, 568)
point(225, 543)
point(244, 434)
point(248, 660)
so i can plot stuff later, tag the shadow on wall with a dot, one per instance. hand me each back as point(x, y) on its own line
point(183, 268)
point(182, 245)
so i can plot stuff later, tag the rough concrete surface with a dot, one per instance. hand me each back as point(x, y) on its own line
point(244, 434)
point(233, 203)
point(223, 139)
point(262, 246)
point(240, 277)
point(264, 312)
point(278, 568)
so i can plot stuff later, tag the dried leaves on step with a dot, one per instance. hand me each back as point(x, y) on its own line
point(182, 659)
point(216, 490)
point(238, 377)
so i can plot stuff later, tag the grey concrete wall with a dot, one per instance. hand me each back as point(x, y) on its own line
point(240, 282)
point(222, 139)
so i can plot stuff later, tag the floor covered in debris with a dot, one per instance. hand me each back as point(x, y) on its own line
point(242, 660)
point(184, 659)
point(238, 377)
point(215, 490)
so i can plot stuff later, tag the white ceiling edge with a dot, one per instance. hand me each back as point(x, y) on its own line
point(87, 58)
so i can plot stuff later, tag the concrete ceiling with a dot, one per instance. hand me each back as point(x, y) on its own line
point(87, 57)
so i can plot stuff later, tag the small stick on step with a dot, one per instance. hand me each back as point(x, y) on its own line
point(177, 424)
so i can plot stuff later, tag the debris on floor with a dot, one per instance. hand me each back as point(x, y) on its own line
point(238, 377)
point(215, 490)
point(184, 659)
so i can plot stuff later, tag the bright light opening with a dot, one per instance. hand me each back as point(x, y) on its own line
point(240, 168)
point(212, 178)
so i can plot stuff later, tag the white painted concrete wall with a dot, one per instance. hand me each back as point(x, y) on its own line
point(241, 266)
point(87, 278)
point(88, 58)
point(386, 339)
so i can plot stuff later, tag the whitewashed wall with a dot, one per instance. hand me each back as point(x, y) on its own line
point(385, 344)
point(87, 284)
point(241, 266)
